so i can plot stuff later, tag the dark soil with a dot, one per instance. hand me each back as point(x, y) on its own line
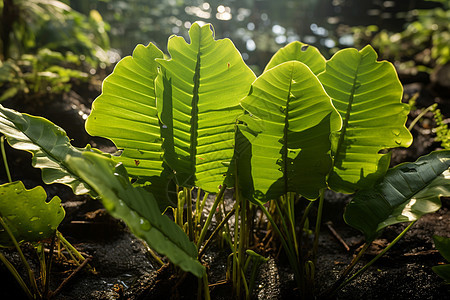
point(125, 270)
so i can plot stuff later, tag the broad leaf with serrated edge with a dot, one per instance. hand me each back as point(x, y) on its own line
point(407, 192)
point(289, 121)
point(368, 96)
point(125, 112)
point(27, 214)
point(198, 93)
point(138, 209)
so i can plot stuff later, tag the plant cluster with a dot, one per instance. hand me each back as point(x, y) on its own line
point(424, 42)
point(200, 119)
point(39, 40)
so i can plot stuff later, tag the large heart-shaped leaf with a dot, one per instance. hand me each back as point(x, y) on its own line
point(407, 192)
point(47, 142)
point(27, 214)
point(198, 93)
point(125, 112)
point(368, 95)
point(309, 55)
point(138, 209)
point(289, 123)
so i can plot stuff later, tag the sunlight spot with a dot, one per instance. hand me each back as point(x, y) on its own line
point(250, 44)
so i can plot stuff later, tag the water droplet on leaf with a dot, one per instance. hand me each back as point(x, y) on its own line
point(109, 206)
point(145, 225)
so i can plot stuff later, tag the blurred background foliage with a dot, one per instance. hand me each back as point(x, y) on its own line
point(46, 45)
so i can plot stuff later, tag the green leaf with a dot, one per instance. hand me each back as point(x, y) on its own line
point(198, 93)
point(309, 55)
point(125, 112)
point(407, 192)
point(289, 123)
point(138, 209)
point(443, 245)
point(368, 96)
point(27, 214)
point(443, 272)
point(48, 144)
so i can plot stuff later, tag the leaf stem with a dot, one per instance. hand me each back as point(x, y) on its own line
point(411, 125)
point(291, 256)
point(330, 291)
point(363, 269)
point(22, 257)
point(5, 161)
point(188, 197)
point(210, 216)
point(317, 229)
point(222, 224)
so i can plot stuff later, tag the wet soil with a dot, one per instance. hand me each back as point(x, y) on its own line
point(124, 269)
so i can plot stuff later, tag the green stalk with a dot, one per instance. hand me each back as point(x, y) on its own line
point(180, 208)
point(236, 282)
point(283, 222)
point(305, 215)
point(210, 216)
point(49, 265)
point(43, 267)
point(188, 197)
point(206, 287)
point(16, 275)
point(22, 257)
point(291, 256)
point(5, 161)
point(244, 281)
point(317, 229)
point(222, 224)
point(242, 246)
point(431, 107)
point(72, 251)
point(347, 270)
point(363, 269)
point(290, 197)
point(202, 206)
point(197, 215)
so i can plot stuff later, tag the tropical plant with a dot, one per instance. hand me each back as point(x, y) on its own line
point(201, 119)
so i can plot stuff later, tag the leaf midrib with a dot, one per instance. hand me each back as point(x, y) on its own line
point(285, 133)
point(347, 113)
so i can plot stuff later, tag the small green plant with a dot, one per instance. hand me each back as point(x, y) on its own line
point(38, 41)
point(202, 119)
point(443, 245)
point(423, 42)
point(26, 217)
